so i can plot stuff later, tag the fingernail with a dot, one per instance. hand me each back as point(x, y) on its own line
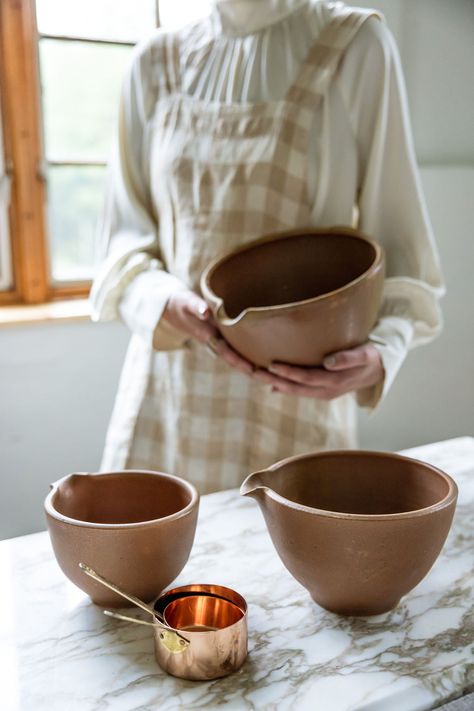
point(273, 369)
point(203, 310)
point(330, 362)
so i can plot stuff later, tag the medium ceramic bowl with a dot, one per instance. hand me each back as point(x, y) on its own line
point(134, 527)
point(297, 296)
point(357, 529)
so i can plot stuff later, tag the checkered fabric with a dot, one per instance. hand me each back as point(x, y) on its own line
point(231, 173)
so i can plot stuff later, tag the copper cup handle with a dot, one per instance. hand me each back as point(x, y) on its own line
point(171, 638)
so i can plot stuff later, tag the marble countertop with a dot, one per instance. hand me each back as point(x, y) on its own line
point(58, 651)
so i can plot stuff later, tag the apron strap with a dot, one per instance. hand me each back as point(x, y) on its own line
point(172, 68)
point(322, 61)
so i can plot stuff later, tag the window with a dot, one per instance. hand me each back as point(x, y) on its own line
point(62, 68)
point(5, 256)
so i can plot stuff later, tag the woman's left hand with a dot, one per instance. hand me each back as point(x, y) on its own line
point(342, 372)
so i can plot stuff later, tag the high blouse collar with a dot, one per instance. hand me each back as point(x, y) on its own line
point(243, 17)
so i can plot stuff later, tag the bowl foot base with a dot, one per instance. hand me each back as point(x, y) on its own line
point(359, 610)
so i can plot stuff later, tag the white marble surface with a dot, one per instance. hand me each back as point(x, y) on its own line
point(59, 652)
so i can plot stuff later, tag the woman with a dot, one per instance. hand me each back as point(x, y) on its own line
point(265, 116)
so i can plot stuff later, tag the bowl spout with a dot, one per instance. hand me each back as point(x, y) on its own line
point(255, 485)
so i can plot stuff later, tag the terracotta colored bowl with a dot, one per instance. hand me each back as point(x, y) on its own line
point(357, 529)
point(134, 527)
point(297, 296)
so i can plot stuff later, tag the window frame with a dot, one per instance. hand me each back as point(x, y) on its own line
point(25, 159)
point(19, 81)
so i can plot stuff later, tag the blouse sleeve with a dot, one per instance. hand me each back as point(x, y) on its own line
point(131, 282)
point(391, 203)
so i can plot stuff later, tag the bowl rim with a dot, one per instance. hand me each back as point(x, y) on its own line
point(346, 230)
point(447, 500)
point(55, 514)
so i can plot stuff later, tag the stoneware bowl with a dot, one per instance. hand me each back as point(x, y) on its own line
point(297, 296)
point(135, 527)
point(357, 529)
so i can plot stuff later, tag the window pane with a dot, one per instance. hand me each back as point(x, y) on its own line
point(5, 256)
point(75, 200)
point(81, 87)
point(174, 13)
point(127, 20)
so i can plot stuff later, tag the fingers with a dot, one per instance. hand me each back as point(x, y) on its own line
point(349, 371)
point(231, 357)
point(325, 386)
point(202, 332)
point(311, 377)
point(352, 358)
point(187, 312)
point(197, 307)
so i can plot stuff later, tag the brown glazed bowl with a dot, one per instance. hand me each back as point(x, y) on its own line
point(297, 296)
point(357, 529)
point(134, 527)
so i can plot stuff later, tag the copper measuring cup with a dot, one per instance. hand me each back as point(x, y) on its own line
point(214, 619)
point(200, 631)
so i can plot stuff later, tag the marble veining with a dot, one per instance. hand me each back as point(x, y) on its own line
point(58, 651)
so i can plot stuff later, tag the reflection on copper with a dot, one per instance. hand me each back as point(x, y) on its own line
point(199, 589)
point(201, 612)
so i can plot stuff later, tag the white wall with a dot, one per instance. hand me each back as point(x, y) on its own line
point(57, 381)
point(433, 395)
point(56, 390)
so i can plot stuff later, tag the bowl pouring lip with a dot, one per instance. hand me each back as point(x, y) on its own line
point(51, 511)
point(447, 500)
point(211, 296)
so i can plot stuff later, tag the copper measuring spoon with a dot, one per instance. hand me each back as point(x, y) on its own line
point(172, 638)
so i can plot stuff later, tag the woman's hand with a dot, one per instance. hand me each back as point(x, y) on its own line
point(341, 373)
point(187, 312)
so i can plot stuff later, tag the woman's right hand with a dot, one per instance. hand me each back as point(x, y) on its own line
point(190, 314)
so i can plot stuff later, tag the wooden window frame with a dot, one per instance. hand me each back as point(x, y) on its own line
point(19, 80)
point(20, 94)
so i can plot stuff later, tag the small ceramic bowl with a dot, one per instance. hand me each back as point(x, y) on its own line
point(136, 527)
point(295, 297)
point(357, 529)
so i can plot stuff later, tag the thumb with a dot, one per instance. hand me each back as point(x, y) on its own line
point(198, 307)
point(343, 360)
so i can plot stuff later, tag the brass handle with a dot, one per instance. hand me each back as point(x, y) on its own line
point(172, 639)
point(109, 613)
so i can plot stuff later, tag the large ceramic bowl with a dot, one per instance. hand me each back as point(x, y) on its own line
point(135, 528)
point(297, 296)
point(357, 529)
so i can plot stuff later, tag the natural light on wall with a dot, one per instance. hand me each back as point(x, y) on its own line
point(174, 13)
point(84, 48)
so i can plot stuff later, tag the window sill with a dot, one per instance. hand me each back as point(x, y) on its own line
point(53, 311)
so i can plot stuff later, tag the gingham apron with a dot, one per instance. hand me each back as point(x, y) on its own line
point(225, 174)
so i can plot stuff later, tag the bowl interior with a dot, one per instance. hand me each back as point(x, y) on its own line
point(201, 613)
point(360, 483)
point(118, 498)
point(290, 269)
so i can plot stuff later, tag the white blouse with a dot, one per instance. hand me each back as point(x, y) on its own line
point(250, 51)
